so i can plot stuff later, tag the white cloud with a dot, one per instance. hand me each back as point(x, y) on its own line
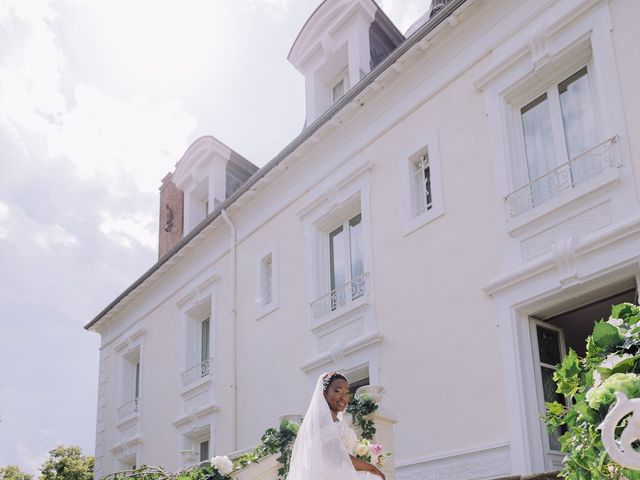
point(54, 236)
point(141, 138)
point(30, 459)
point(276, 8)
point(129, 230)
point(4, 217)
point(18, 228)
point(405, 12)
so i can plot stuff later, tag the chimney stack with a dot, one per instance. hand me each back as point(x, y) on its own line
point(171, 215)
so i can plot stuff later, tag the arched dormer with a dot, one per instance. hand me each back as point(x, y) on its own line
point(205, 176)
point(340, 43)
point(200, 174)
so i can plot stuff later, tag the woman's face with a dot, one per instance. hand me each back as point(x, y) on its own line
point(337, 394)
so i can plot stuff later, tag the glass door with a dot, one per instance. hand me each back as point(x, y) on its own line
point(548, 351)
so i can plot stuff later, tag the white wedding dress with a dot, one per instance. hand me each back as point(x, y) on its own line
point(322, 447)
point(350, 442)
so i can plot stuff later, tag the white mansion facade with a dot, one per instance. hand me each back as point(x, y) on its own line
point(461, 205)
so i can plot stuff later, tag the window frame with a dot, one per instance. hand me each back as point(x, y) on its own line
point(265, 308)
point(343, 77)
point(415, 215)
point(560, 147)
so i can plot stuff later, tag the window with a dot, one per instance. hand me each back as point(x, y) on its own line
point(130, 384)
point(559, 132)
point(338, 86)
point(338, 90)
point(420, 170)
point(266, 280)
point(421, 183)
point(197, 345)
point(346, 264)
point(548, 354)
point(204, 451)
point(196, 445)
point(204, 342)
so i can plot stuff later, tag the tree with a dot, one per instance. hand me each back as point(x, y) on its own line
point(67, 463)
point(13, 472)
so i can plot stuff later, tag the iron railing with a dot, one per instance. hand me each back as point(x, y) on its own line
point(128, 408)
point(587, 165)
point(200, 370)
point(341, 296)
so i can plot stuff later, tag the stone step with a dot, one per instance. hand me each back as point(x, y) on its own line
point(537, 476)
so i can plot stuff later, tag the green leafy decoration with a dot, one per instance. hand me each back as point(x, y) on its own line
point(605, 335)
point(274, 441)
point(589, 385)
point(361, 409)
point(567, 376)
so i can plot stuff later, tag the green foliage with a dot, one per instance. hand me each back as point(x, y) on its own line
point(605, 335)
point(279, 441)
point(67, 463)
point(611, 364)
point(567, 375)
point(361, 408)
point(13, 472)
point(274, 441)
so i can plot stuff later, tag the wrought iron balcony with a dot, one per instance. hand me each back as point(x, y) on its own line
point(341, 296)
point(200, 370)
point(603, 157)
point(128, 408)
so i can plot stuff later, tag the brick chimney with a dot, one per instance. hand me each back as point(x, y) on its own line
point(171, 215)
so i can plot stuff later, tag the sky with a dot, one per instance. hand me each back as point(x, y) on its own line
point(98, 101)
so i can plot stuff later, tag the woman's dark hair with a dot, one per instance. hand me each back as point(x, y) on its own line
point(330, 377)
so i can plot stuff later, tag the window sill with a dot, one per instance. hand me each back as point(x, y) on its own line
point(516, 225)
point(128, 421)
point(337, 315)
point(265, 310)
point(414, 223)
point(199, 384)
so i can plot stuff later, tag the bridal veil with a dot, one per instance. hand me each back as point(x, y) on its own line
point(318, 452)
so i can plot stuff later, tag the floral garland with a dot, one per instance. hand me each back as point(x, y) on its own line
point(589, 385)
point(274, 441)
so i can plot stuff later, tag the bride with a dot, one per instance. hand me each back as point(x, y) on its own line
point(324, 446)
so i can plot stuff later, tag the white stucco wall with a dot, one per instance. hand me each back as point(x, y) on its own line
point(443, 309)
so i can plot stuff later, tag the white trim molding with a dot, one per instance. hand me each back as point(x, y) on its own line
point(482, 463)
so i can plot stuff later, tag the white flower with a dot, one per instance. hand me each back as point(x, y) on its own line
point(362, 449)
point(597, 380)
point(616, 322)
point(222, 464)
point(613, 359)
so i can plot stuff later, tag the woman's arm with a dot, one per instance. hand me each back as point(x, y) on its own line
point(363, 466)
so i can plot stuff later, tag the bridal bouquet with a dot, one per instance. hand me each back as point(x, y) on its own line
point(371, 452)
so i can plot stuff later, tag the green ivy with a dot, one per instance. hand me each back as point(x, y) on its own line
point(611, 363)
point(274, 441)
point(361, 409)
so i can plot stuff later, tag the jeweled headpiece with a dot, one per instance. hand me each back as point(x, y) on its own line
point(327, 377)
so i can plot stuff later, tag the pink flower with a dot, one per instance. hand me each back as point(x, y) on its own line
point(376, 449)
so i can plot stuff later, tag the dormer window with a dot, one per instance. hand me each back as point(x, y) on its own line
point(346, 36)
point(339, 86)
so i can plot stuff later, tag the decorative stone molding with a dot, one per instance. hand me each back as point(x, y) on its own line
point(487, 463)
point(564, 256)
point(577, 226)
point(538, 44)
point(340, 336)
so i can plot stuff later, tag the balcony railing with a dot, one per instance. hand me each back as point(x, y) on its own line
point(128, 408)
point(341, 296)
point(587, 165)
point(200, 370)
